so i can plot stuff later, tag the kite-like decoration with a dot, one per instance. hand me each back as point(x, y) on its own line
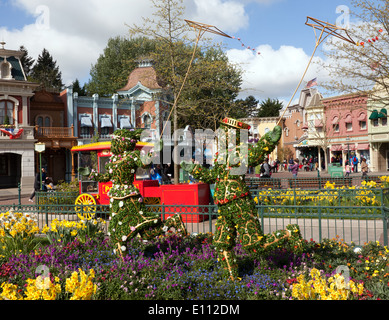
point(201, 29)
point(326, 29)
point(11, 134)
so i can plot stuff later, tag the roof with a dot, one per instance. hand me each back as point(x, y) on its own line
point(145, 75)
point(104, 146)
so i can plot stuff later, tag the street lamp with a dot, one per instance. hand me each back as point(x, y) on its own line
point(40, 147)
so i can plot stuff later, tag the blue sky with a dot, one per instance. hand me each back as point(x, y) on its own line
point(76, 32)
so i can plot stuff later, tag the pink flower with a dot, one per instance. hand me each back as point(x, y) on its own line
point(132, 229)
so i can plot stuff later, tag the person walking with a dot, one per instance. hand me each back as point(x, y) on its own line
point(295, 168)
point(364, 168)
point(347, 169)
point(37, 183)
point(265, 169)
point(355, 163)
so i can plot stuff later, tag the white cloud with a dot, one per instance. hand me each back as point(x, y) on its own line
point(74, 32)
point(229, 16)
point(275, 73)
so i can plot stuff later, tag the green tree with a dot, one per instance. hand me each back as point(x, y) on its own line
point(246, 108)
point(364, 67)
point(113, 67)
point(169, 29)
point(77, 88)
point(46, 72)
point(211, 90)
point(27, 61)
point(269, 108)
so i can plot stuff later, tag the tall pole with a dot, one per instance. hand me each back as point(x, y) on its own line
point(40, 169)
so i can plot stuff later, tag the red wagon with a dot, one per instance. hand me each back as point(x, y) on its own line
point(93, 192)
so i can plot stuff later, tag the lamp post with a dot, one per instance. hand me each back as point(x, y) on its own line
point(40, 147)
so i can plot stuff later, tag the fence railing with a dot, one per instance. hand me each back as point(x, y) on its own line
point(309, 182)
point(358, 224)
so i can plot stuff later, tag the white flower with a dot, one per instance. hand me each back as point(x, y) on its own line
point(120, 223)
point(123, 248)
point(132, 171)
point(113, 214)
point(124, 238)
point(155, 221)
point(165, 228)
point(140, 212)
point(121, 204)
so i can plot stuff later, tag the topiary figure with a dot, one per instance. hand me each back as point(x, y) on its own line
point(237, 214)
point(129, 216)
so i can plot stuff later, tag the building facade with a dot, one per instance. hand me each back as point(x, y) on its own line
point(346, 126)
point(378, 130)
point(16, 132)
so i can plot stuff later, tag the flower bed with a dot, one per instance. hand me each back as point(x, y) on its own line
point(73, 265)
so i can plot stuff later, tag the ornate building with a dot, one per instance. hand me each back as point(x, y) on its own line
point(16, 133)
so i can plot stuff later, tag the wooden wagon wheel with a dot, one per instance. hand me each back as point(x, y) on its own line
point(87, 212)
point(152, 201)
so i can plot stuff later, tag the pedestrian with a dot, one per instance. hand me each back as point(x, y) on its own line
point(347, 169)
point(295, 168)
point(37, 183)
point(355, 163)
point(290, 164)
point(364, 168)
point(165, 175)
point(265, 169)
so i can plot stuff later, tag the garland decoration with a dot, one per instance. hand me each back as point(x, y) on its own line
point(237, 215)
point(247, 47)
point(371, 40)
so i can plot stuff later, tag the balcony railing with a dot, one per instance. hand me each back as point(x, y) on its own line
point(54, 132)
point(28, 132)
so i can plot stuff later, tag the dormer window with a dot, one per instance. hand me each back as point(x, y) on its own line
point(5, 70)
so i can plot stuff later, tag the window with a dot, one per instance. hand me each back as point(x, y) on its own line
point(349, 126)
point(384, 121)
point(39, 121)
point(147, 121)
point(85, 132)
point(336, 127)
point(362, 125)
point(47, 122)
point(375, 122)
point(105, 131)
point(6, 112)
point(86, 125)
point(5, 70)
